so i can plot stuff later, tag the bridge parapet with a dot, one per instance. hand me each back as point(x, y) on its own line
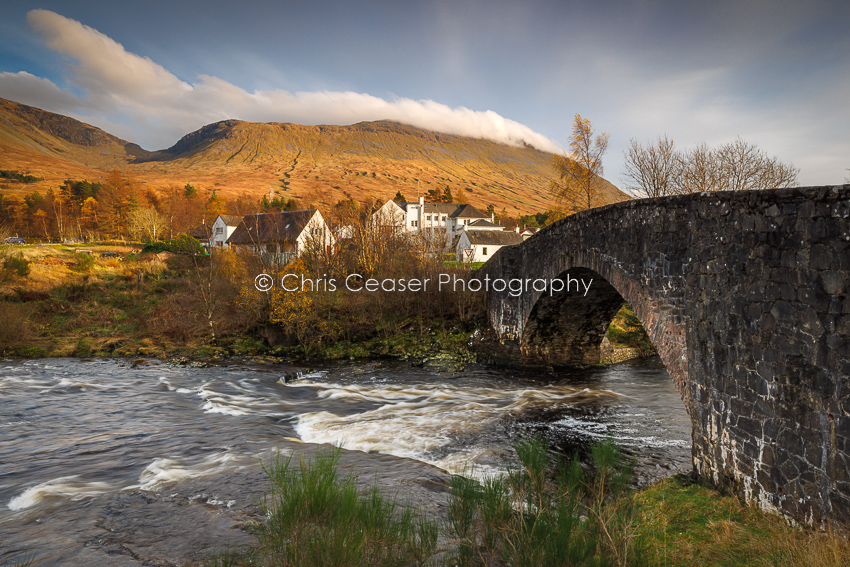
point(745, 295)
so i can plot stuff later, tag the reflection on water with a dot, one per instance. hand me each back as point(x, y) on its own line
point(109, 464)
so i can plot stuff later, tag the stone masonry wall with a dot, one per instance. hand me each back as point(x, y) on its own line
point(745, 295)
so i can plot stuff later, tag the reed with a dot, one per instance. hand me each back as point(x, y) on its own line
point(530, 519)
point(318, 518)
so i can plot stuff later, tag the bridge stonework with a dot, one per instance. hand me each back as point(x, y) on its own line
point(746, 295)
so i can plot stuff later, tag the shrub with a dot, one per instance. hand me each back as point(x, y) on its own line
point(180, 244)
point(85, 262)
point(17, 327)
point(316, 518)
point(525, 520)
point(15, 265)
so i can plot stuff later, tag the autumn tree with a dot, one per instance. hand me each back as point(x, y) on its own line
point(117, 198)
point(182, 209)
point(577, 185)
point(215, 206)
point(435, 196)
point(460, 198)
point(147, 224)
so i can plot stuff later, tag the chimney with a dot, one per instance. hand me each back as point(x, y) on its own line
point(516, 229)
point(421, 201)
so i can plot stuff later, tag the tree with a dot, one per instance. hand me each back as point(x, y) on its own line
point(697, 170)
point(399, 197)
point(147, 224)
point(742, 166)
point(651, 169)
point(577, 186)
point(447, 195)
point(435, 196)
point(657, 169)
point(460, 199)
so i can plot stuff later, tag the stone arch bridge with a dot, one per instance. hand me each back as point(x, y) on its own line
point(744, 294)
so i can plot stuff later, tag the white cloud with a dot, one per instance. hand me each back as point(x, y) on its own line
point(42, 93)
point(164, 107)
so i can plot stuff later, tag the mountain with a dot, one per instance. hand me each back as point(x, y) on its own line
point(322, 164)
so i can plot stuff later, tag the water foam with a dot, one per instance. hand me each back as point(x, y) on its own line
point(414, 421)
point(66, 486)
point(167, 470)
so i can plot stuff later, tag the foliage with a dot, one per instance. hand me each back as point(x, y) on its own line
point(626, 330)
point(317, 518)
point(278, 204)
point(576, 186)
point(17, 325)
point(524, 520)
point(84, 263)
point(399, 197)
point(14, 265)
point(146, 224)
point(181, 244)
point(23, 178)
point(302, 313)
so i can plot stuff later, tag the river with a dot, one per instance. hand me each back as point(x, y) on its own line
point(119, 462)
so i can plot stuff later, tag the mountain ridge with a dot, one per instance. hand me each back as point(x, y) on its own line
point(322, 163)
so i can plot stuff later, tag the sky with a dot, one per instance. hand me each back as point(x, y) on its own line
point(774, 73)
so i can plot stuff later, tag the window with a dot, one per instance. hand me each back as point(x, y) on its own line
point(444, 218)
point(428, 217)
point(219, 230)
point(414, 223)
point(484, 251)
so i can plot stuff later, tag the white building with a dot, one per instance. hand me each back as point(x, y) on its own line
point(443, 219)
point(223, 228)
point(282, 236)
point(480, 245)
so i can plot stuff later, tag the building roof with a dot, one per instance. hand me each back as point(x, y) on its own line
point(468, 212)
point(493, 237)
point(231, 220)
point(271, 227)
point(453, 210)
point(481, 223)
point(201, 232)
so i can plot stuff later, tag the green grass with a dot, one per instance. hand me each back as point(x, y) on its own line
point(683, 523)
point(318, 518)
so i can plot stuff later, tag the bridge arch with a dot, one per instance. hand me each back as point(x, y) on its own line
point(746, 295)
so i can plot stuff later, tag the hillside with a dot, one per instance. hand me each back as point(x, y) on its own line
point(322, 164)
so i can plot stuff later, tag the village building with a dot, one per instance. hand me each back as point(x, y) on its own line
point(281, 237)
point(202, 234)
point(527, 233)
point(222, 228)
point(444, 220)
point(480, 245)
